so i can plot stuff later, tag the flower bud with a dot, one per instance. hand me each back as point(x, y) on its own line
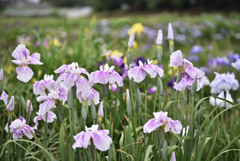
point(1, 75)
point(159, 38)
point(131, 40)
point(139, 99)
point(84, 114)
point(10, 106)
point(170, 32)
point(100, 110)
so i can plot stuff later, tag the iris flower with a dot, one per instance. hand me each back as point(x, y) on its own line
point(19, 127)
point(161, 120)
point(138, 73)
point(100, 138)
point(23, 59)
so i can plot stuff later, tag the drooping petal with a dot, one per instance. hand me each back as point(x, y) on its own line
point(152, 125)
point(236, 64)
point(50, 117)
point(138, 74)
point(101, 141)
point(25, 73)
point(79, 140)
point(181, 85)
point(35, 120)
point(20, 50)
point(176, 126)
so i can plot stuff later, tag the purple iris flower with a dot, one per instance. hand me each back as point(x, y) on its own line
point(196, 50)
point(233, 57)
point(161, 120)
point(131, 40)
point(188, 72)
point(212, 63)
point(139, 73)
point(236, 64)
point(23, 59)
point(205, 70)
point(107, 75)
point(100, 138)
point(19, 127)
point(69, 74)
point(193, 58)
point(170, 32)
point(10, 106)
point(224, 82)
point(42, 114)
point(1, 75)
point(215, 101)
point(136, 61)
point(59, 93)
point(4, 97)
point(44, 86)
point(223, 61)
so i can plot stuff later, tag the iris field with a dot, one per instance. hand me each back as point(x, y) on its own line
point(139, 87)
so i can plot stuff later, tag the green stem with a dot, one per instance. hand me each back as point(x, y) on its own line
point(46, 130)
point(20, 93)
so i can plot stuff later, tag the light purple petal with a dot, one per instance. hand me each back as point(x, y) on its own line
point(24, 73)
point(173, 157)
point(20, 50)
point(170, 32)
point(181, 85)
point(176, 126)
point(176, 59)
point(101, 141)
point(152, 125)
point(159, 38)
point(10, 106)
point(35, 57)
point(131, 40)
point(137, 73)
point(100, 110)
point(4, 97)
point(50, 117)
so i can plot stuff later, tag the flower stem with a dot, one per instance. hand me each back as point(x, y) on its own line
point(20, 93)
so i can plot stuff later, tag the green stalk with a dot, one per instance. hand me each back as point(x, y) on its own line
point(192, 128)
point(46, 131)
point(70, 105)
point(20, 93)
point(93, 151)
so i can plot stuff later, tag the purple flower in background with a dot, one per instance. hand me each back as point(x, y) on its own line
point(224, 82)
point(131, 40)
point(69, 74)
point(170, 32)
point(100, 138)
point(212, 63)
point(161, 120)
point(29, 106)
point(139, 73)
point(10, 106)
point(193, 58)
point(136, 61)
point(233, 57)
point(205, 70)
point(42, 114)
point(215, 101)
point(100, 110)
point(152, 90)
point(159, 38)
point(236, 64)
point(196, 50)
point(170, 83)
point(43, 87)
point(1, 75)
point(223, 61)
point(23, 59)
point(107, 75)
point(19, 127)
point(4, 97)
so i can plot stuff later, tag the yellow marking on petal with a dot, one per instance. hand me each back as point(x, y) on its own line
point(125, 60)
point(25, 66)
point(171, 42)
point(80, 76)
point(17, 129)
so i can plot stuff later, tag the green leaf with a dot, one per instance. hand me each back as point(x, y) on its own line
point(164, 151)
point(149, 149)
point(211, 150)
point(168, 105)
point(62, 142)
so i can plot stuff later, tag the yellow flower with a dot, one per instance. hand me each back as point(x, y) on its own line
point(94, 19)
point(9, 69)
point(155, 61)
point(34, 80)
point(135, 45)
point(48, 36)
point(56, 42)
point(137, 28)
point(86, 30)
point(117, 53)
point(64, 61)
